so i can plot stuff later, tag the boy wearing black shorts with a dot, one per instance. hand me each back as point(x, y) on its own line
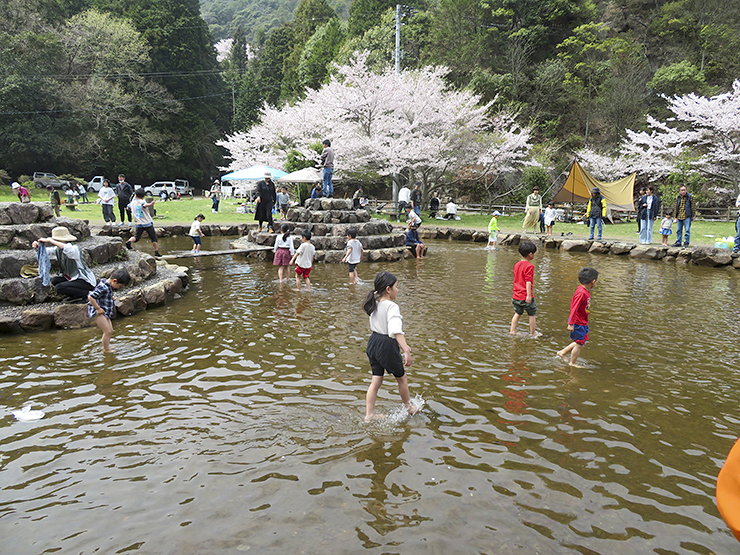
point(143, 221)
point(523, 296)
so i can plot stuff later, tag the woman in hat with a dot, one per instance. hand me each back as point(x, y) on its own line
point(215, 195)
point(21, 191)
point(77, 280)
point(265, 199)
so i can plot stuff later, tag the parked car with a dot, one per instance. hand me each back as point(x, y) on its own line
point(44, 179)
point(96, 183)
point(175, 189)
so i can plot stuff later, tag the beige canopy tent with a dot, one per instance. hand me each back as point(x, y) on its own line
point(578, 186)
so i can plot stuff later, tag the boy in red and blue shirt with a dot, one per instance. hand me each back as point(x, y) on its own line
point(523, 295)
point(580, 306)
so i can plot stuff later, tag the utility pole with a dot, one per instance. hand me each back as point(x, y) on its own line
point(397, 55)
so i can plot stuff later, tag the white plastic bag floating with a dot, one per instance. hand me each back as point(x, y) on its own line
point(28, 415)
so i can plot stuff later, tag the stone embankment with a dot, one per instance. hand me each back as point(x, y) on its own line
point(328, 220)
point(27, 305)
point(700, 256)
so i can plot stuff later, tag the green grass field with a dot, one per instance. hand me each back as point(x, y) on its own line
point(184, 211)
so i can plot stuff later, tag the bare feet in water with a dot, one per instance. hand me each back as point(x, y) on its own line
point(375, 416)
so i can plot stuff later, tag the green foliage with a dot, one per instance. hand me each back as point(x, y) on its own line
point(679, 78)
point(296, 161)
point(364, 14)
point(277, 48)
point(249, 101)
point(318, 52)
point(255, 16)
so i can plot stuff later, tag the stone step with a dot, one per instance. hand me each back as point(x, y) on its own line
point(96, 250)
point(177, 230)
point(333, 242)
point(374, 227)
point(20, 236)
point(164, 284)
point(327, 216)
point(24, 291)
point(328, 204)
point(22, 213)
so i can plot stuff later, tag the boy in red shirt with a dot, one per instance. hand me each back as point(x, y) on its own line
point(578, 318)
point(523, 298)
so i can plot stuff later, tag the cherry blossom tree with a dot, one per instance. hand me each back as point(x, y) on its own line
point(388, 124)
point(703, 135)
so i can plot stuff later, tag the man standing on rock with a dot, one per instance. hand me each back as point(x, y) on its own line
point(265, 199)
point(124, 192)
point(684, 213)
point(327, 160)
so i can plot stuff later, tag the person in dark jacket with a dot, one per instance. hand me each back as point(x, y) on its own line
point(265, 200)
point(124, 192)
point(596, 211)
point(684, 213)
point(648, 210)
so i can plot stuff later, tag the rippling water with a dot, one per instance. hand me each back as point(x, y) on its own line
point(231, 421)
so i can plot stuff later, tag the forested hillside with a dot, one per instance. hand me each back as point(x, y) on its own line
point(100, 86)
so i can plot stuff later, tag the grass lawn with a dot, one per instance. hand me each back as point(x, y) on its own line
point(183, 211)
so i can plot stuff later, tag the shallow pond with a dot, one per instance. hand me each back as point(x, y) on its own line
point(232, 420)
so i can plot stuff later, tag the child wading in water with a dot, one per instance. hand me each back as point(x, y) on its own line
point(303, 259)
point(383, 346)
point(196, 232)
point(665, 227)
point(523, 296)
point(493, 231)
point(101, 304)
point(353, 255)
point(283, 250)
point(578, 319)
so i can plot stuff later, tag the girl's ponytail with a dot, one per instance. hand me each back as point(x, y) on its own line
point(382, 281)
point(286, 231)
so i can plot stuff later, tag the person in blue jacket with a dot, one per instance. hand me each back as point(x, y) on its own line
point(414, 242)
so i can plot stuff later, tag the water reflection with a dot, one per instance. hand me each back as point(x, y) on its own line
point(231, 421)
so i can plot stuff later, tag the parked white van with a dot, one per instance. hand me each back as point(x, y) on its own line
point(178, 187)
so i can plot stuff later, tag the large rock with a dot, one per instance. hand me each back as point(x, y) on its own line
point(10, 324)
point(155, 294)
point(24, 213)
point(648, 252)
point(621, 248)
point(597, 247)
point(510, 239)
point(575, 245)
point(709, 256)
point(72, 316)
point(37, 319)
point(461, 234)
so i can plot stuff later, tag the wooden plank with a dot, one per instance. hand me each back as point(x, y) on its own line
point(191, 254)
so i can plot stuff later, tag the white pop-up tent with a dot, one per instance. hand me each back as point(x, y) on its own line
point(253, 173)
point(306, 175)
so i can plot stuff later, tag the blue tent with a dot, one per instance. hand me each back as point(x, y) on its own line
point(254, 173)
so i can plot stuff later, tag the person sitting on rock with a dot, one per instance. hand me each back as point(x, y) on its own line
point(77, 280)
point(318, 191)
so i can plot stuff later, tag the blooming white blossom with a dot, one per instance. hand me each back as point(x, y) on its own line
point(385, 124)
point(223, 49)
point(704, 132)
